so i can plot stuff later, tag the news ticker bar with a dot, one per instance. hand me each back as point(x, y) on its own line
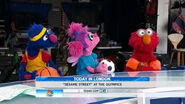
point(120, 84)
point(106, 93)
point(92, 78)
point(103, 82)
point(86, 82)
point(75, 85)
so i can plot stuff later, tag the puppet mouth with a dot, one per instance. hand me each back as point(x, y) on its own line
point(53, 38)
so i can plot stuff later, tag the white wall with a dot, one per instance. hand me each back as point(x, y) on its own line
point(162, 21)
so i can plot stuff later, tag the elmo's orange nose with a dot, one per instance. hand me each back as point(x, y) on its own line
point(146, 39)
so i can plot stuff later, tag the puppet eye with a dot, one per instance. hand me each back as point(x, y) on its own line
point(149, 31)
point(45, 37)
point(141, 32)
point(90, 36)
point(49, 31)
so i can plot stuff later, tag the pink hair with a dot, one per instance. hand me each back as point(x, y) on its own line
point(74, 28)
point(75, 48)
point(79, 33)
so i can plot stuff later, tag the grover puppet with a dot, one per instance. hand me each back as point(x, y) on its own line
point(144, 43)
point(81, 50)
point(35, 58)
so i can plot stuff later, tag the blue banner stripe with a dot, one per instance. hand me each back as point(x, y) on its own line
point(111, 100)
point(45, 90)
point(92, 79)
point(49, 92)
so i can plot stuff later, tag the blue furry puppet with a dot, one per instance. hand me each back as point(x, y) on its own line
point(35, 58)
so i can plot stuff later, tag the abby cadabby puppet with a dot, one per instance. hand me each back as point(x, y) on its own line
point(80, 50)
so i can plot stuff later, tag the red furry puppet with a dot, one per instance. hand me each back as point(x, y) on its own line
point(144, 43)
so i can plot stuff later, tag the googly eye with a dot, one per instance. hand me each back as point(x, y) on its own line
point(149, 31)
point(141, 32)
point(45, 37)
point(91, 36)
point(49, 31)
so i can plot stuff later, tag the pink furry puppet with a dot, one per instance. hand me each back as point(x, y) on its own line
point(81, 50)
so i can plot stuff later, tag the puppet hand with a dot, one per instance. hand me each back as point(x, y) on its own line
point(59, 72)
point(28, 76)
point(102, 68)
point(92, 70)
point(22, 77)
point(22, 72)
point(33, 74)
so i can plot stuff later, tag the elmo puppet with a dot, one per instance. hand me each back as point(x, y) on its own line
point(144, 43)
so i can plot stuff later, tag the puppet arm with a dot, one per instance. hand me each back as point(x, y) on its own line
point(156, 65)
point(135, 65)
point(101, 68)
point(132, 64)
point(51, 64)
point(83, 64)
point(90, 69)
point(24, 75)
point(22, 71)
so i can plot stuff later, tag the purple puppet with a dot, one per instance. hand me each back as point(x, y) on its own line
point(81, 50)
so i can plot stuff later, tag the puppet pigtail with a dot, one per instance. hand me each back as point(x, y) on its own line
point(75, 47)
point(74, 29)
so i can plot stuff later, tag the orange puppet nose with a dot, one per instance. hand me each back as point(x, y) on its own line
point(146, 39)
